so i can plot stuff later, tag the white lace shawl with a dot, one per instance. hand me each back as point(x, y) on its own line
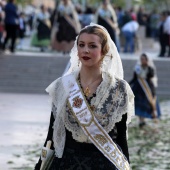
point(113, 91)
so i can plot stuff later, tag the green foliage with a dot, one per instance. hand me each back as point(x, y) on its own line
point(120, 3)
point(24, 2)
point(155, 4)
point(149, 4)
point(97, 2)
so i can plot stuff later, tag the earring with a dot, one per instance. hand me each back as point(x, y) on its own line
point(101, 63)
point(78, 62)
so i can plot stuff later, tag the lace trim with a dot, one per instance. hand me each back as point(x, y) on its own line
point(104, 102)
point(72, 126)
point(111, 104)
point(58, 99)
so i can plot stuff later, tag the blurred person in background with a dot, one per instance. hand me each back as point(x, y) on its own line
point(144, 85)
point(154, 21)
point(120, 15)
point(126, 18)
point(42, 37)
point(162, 35)
point(31, 18)
point(132, 13)
point(1, 25)
point(22, 29)
point(106, 16)
point(66, 27)
point(141, 16)
point(129, 32)
point(167, 32)
point(11, 24)
point(87, 17)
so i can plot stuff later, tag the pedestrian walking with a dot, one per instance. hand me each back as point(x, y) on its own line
point(144, 85)
point(106, 16)
point(66, 28)
point(11, 24)
point(91, 108)
point(162, 35)
point(42, 37)
point(167, 32)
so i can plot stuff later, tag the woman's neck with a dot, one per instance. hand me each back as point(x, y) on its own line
point(88, 74)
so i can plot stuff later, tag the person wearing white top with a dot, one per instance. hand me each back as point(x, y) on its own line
point(129, 30)
point(167, 25)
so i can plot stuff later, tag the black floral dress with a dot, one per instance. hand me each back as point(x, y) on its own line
point(85, 156)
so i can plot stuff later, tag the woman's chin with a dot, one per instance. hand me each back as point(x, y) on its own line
point(89, 65)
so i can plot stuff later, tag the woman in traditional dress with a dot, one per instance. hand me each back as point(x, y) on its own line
point(143, 85)
point(66, 28)
point(92, 106)
point(106, 16)
point(42, 37)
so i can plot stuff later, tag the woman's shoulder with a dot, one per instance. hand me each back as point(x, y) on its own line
point(58, 83)
point(52, 86)
point(117, 80)
point(122, 84)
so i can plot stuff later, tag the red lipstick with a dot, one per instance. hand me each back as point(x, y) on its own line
point(86, 58)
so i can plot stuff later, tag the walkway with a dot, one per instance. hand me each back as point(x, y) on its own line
point(24, 124)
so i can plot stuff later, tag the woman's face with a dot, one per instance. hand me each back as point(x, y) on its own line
point(144, 61)
point(89, 50)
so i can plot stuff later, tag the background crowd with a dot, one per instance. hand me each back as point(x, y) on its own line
point(49, 27)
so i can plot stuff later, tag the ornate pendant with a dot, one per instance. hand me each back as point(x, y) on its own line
point(87, 91)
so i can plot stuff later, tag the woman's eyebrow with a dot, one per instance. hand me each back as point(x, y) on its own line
point(88, 43)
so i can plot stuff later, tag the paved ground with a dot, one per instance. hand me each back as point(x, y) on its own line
point(24, 123)
point(150, 147)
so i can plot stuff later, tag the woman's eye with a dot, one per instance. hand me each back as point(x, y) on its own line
point(81, 45)
point(92, 46)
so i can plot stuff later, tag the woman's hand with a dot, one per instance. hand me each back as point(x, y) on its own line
point(154, 116)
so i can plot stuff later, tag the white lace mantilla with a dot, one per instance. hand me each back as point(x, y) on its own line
point(114, 98)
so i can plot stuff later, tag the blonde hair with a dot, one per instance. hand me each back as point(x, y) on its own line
point(99, 32)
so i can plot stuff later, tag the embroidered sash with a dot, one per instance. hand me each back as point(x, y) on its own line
point(148, 93)
point(90, 126)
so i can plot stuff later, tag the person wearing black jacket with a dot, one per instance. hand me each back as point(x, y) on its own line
point(11, 24)
point(162, 36)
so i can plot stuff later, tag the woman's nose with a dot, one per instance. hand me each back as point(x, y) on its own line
point(86, 49)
